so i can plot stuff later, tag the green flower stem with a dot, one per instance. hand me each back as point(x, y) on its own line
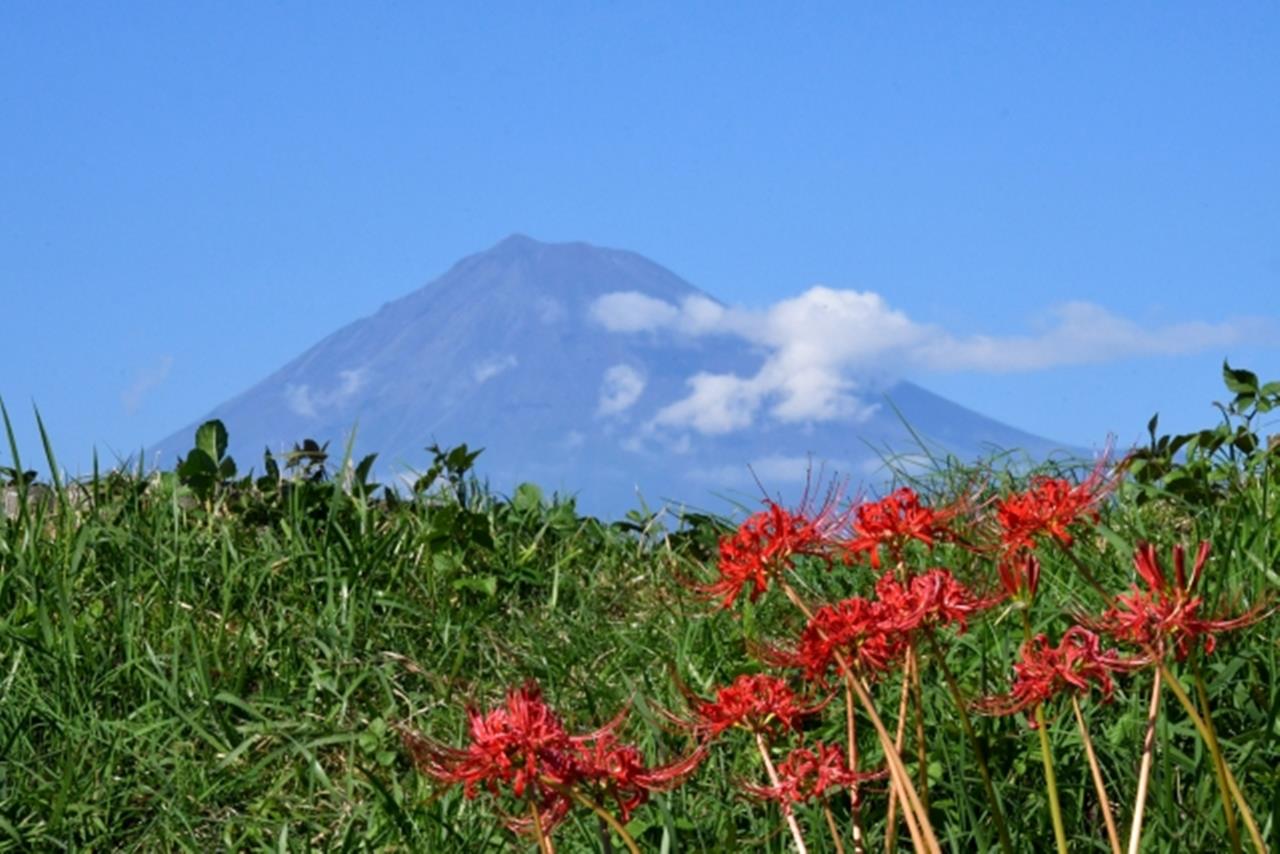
point(1255, 835)
point(1084, 570)
point(1051, 781)
point(922, 753)
point(1113, 837)
point(1219, 765)
point(1006, 845)
point(1046, 756)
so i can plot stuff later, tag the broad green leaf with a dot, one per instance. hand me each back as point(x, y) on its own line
point(211, 437)
point(198, 463)
point(528, 498)
point(1239, 381)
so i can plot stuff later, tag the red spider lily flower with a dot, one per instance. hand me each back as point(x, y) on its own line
point(619, 774)
point(929, 599)
point(1048, 508)
point(766, 544)
point(892, 522)
point(756, 702)
point(1020, 576)
point(806, 775)
point(513, 746)
point(1044, 671)
point(1168, 613)
point(866, 633)
point(523, 747)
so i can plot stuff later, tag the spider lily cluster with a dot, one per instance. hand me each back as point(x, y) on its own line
point(522, 748)
point(861, 660)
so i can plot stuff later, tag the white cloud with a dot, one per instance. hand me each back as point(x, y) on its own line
point(632, 311)
point(1083, 333)
point(303, 400)
point(716, 404)
point(822, 347)
point(490, 368)
point(828, 350)
point(621, 387)
point(144, 382)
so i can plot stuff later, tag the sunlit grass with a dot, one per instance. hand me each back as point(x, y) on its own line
point(224, 665)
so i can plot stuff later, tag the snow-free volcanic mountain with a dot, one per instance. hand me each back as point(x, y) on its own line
point(507, 351)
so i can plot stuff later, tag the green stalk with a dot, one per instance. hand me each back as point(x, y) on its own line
point(1006, 845)
point(1255, 835)
point(1046, 756)
point(1051, 782)
point(1113, 837)
point(922, 753)
point(1084, 570)
point(1219, 774)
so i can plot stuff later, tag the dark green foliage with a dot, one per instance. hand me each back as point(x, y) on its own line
point(207, 467)
point(1205, 467)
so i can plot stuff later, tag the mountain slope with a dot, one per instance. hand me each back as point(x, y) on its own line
point(503, 352)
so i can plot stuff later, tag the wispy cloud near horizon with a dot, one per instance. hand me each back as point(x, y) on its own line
point(144, 382)
point(827, 348)
point(308, 402)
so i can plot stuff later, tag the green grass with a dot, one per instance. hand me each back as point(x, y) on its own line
point(223, 666)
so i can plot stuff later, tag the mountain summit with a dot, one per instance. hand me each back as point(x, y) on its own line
point(575, 367)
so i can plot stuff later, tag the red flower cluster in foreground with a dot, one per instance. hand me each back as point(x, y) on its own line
point(932, 598)
point(1167, 613)
point(863, 632)
point(1048, 508)
point(1046, 670)
point(807, 775)
point(893, 522)
point(871, 635)
point(756, 702)
point(618, 771)
point(765, 544)
point(523, 747)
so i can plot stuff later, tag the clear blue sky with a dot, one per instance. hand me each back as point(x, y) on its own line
point(191, 194)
